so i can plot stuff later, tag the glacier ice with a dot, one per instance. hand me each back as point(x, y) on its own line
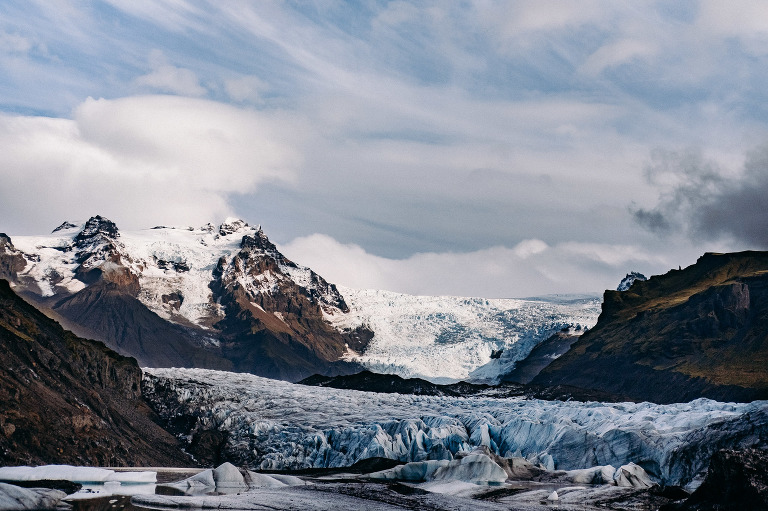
point(476, 468)
point(75, 474)
point(279, 425)
point(448, 338)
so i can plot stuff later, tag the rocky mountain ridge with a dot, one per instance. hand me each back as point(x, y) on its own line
point(65, 399)
point(696, 332)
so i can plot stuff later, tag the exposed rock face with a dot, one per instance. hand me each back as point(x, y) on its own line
point(736, 480)
point(697, 332)
point(64, 399)
point(11, 260)
point(274, 324)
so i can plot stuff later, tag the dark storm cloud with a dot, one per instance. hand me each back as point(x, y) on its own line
point(707, 202)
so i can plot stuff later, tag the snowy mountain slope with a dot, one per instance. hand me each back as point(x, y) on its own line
point(278, 425)
point(174, 265)
point(446, 338)
point(228, 291)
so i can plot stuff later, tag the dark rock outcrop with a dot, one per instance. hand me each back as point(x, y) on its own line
point(368, 381)
point(11, 260)
point(697, 332)
point(69, 400)
point(736, 480)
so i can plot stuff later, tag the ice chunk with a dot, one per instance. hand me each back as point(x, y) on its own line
point(416, 471)
point(288, 480)
point(256, 480)
point(204, 478)
point(15, 498)
point(74, 474)
point(474, 468)
point(594, 475)
point(633, 476)
point(228, 475)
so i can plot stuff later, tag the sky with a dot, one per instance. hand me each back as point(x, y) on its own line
point(494, 149)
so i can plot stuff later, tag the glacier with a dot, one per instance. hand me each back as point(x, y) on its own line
point(276, 425)
point(446, 339)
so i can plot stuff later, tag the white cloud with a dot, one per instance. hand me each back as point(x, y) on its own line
point(734, 18)
point(141, 160)
point(245, 88)
point(528, 248)
point(531, 268)
point(616, 53)
point(14, 43)
point(167, 78)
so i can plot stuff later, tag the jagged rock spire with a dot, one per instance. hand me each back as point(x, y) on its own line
point(98, 225)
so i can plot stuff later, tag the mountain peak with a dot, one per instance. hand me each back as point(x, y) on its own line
point(630, 279)
point(232, 225)
point(97, 225)
point(258, 240)
point(65, 226)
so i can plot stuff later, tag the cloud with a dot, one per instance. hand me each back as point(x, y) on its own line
point(528, 269)
point(167, 78)
point(706, 201)
point(616, 53)
point(14, 44)
point(245, 88)
point(142, 161)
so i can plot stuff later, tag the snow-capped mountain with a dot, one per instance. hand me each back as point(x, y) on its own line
point(224, 297)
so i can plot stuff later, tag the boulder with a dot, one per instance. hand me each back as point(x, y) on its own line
point(520, 468)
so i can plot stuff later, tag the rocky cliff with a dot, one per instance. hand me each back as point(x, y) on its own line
point(64, 399)
point(697, 332)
